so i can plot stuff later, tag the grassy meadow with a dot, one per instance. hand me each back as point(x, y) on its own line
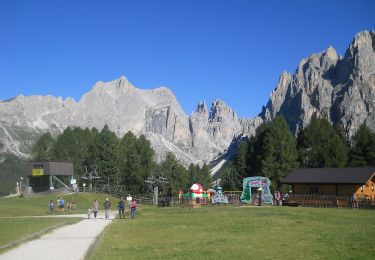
point(38, 205)
point(239, 233)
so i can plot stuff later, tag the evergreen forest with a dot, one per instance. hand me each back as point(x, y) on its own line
point(273, 152)
point(126, 161)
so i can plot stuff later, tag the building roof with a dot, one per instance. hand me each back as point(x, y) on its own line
point(330, 176)
point(55, 168)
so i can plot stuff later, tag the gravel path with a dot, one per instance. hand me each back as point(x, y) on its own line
point(67, 242)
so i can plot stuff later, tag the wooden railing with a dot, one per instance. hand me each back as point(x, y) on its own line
point(328, 201)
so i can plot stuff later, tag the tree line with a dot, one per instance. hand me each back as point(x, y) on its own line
point(126, 161)
point(274, 152)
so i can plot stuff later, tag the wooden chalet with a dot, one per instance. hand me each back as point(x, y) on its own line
point(358, 183)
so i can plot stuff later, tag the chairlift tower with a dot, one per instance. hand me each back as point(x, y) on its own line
point(91, 174)
point(155, 182)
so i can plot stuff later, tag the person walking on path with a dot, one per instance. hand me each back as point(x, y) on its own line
point(71, 205)
point(61, 204)
point(107, 206)
point(95, 207)
point(121, 208)
point(133, 207)
point(51, 206)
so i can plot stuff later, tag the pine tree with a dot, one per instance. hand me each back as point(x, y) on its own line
point(323, 147)
point(278, 155)
point(230, 180)
point(232, 177)
point(192, 173)
point(41, 150)
point(362, 152)
point(205, 176)
point(108, 156)
point(93, 148)
point(240, 162)
point(175, 173)
point(302, 148)
point(146, 163)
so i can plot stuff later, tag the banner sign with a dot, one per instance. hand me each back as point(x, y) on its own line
point(37, 172)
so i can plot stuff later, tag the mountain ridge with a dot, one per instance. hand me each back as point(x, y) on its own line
point(339, 88)
point(155, 113)
point(324, 83)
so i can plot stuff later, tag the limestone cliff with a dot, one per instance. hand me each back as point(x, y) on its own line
point(156, 113)
point(340, 88)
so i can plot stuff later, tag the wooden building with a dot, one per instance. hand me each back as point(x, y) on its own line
point(48, 175)
point(357, 182)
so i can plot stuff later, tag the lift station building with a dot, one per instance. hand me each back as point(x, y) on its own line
point(48, 175)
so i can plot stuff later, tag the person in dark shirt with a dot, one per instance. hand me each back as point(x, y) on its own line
point(107, 206)
point(121, 208)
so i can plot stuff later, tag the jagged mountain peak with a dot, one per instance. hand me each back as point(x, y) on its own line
point(331, 53)
point(321, 61)
point(115, 87)
point(343, 89)
point(202, 108)
point(155, 113)
point(221, 111)
point(363, 38)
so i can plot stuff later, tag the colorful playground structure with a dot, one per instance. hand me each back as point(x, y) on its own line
point(197, 196)
point(256, 191)
point(219, 197)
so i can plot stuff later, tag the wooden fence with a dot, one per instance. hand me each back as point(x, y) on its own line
point(328, 201)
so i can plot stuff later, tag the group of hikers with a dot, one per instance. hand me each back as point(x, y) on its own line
point(61, 205)
point(107, 206)
point(95, 207)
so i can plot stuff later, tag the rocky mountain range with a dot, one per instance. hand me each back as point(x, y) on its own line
point(341, 88)
point(156, 113)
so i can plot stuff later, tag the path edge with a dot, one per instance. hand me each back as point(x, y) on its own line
point(89, 252)
point(33, 236)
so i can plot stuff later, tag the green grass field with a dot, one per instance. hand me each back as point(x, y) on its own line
point(239, 233)
point(38, 205)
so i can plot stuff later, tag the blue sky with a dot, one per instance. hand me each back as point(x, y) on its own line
point(200, 49)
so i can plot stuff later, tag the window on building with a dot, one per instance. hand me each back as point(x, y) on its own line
point(314, 189)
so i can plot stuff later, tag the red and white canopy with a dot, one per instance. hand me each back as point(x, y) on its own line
point(197, 188)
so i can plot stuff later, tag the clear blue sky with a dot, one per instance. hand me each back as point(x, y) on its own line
point(233, 50)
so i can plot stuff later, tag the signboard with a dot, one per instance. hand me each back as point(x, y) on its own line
point(37, 172)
